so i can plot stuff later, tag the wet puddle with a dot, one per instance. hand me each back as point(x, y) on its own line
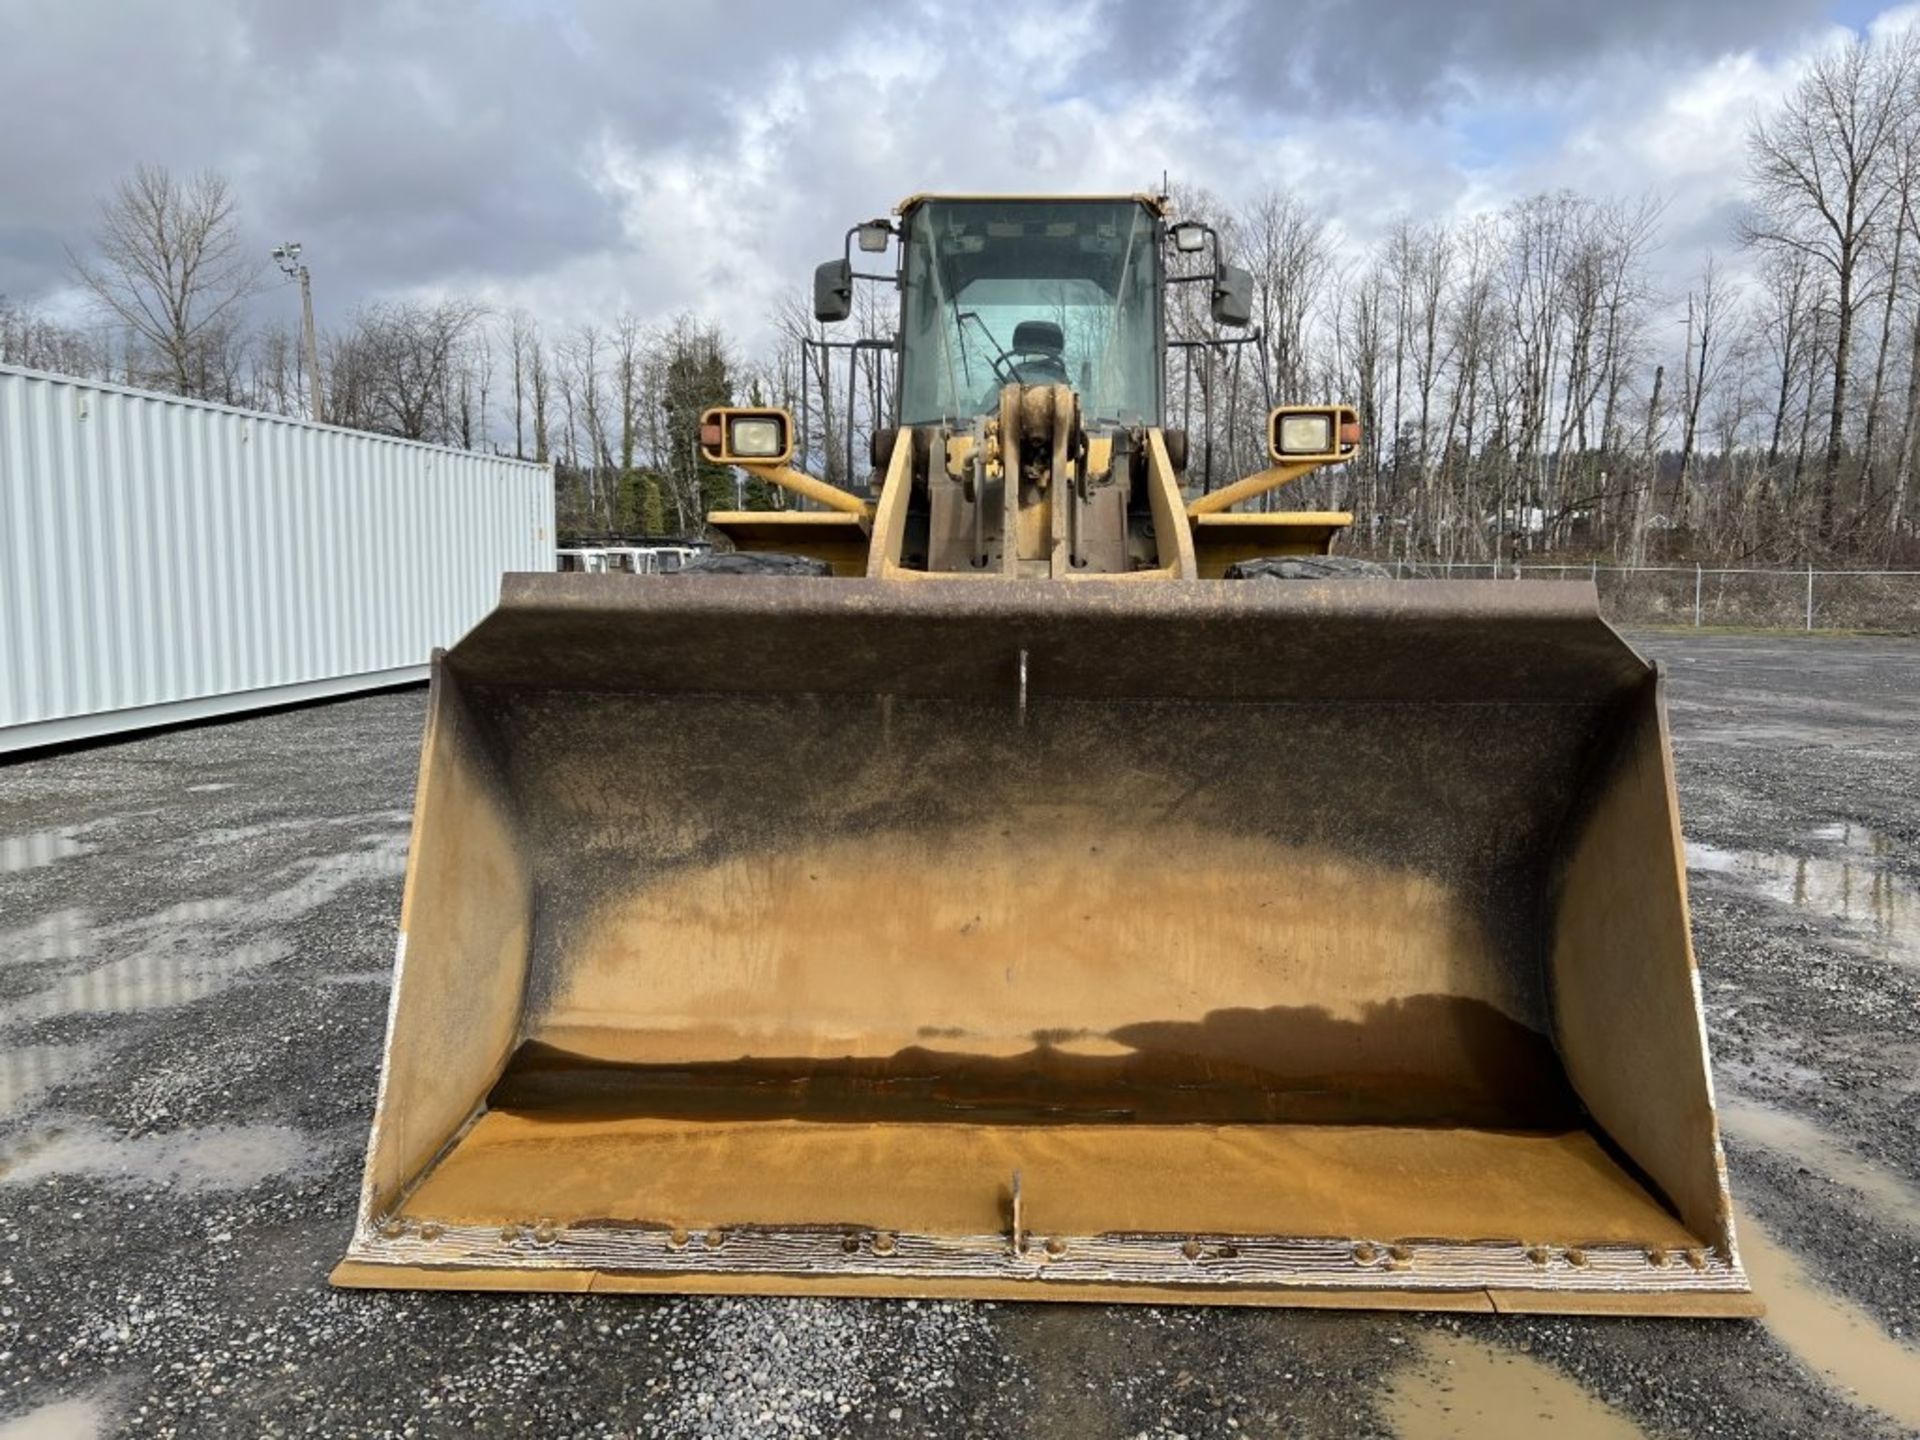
point(181, 958)
point(1892, 1198)
point(148, 980)
point(1832, 1336)
point(39, 848)
point(62, 1420)
point(219, 1157)
point(1459, 1389)
point(194, 912)
point(247, 834)
point(327, 877)
point(26, 1070)
point(1858, 890)
point(59, 935)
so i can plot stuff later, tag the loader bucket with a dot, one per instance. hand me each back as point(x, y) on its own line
point(1309, 943)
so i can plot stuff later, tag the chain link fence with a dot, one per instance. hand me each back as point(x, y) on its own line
point(1884, 600)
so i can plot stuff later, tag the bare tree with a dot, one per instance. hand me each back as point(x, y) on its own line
point(1792, 296)
point(1706, 362)
point(1820, 170)
point(538, 380)
point(171, 267)
point(627, 362)
point(1286, 248)
point(480, 362)
point(582, 390)
point(1904, 451)
point(1887, 275)
point(519, 341)
point(398, 369)
point(30, 339)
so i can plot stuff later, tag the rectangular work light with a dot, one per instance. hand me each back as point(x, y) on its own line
point(741, 437)
point(1312, 432)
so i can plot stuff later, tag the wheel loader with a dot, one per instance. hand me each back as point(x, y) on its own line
point(1034, 877)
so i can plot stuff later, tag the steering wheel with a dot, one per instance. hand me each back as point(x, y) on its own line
point(1002, 361)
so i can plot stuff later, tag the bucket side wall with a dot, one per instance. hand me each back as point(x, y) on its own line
point(461, 971)
point(1626, 999)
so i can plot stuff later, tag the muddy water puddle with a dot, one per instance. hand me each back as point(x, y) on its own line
point(147, 980)
point(57, 935)
point(195, 912)
point(218, 1157)
point(26, 1070)
point(327, 876)
point(1891, 1198)
point(189, 950)
point(1831, 1335)
point(61, 1420)
point(1859, 889)
point(1460, 1389)
point(40, 848)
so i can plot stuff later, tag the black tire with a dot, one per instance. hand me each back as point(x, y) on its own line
point(755, 562)
point(1308, 567)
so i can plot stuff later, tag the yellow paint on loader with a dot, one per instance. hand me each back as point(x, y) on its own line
point(1025, 909)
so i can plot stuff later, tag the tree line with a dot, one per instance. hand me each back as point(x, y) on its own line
point(1526, 384)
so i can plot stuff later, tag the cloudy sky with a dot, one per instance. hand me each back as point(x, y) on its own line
point(588, 156)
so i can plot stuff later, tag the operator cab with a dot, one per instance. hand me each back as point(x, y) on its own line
point(1033, 292)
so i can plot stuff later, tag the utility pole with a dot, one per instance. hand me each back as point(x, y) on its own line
point(288, 256)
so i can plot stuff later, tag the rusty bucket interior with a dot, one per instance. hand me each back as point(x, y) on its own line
point(1253, 943)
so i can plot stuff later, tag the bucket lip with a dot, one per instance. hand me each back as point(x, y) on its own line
point(1298, 641)
point(1573, 602)
point(1541, 1278)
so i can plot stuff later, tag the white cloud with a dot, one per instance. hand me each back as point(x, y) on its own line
point(585, 157)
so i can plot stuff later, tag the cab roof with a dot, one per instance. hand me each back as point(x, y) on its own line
point(1158, 204)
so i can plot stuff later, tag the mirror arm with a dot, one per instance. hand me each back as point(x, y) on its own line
point(800, 483)
point(1258, 483)
point(846, 254)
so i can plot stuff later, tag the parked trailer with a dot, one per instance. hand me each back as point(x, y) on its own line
point(627, 559)
point(581, 561)
point(165, 559)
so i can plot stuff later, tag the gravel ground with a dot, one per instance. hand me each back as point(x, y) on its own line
point(195, 932)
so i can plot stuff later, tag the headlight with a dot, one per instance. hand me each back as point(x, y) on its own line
point(1305, 435)
point(756, 436)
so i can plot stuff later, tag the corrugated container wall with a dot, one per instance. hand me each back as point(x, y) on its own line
point(163, 559)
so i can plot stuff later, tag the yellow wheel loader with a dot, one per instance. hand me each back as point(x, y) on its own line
point(1028, 880)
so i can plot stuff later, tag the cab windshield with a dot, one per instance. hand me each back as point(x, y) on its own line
point(1034, 291)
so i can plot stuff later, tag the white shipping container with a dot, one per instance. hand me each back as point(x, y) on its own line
point(165, 559)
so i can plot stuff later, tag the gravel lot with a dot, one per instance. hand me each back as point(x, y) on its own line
point(195, 933)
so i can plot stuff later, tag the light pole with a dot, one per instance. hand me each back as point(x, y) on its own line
point(288, 256)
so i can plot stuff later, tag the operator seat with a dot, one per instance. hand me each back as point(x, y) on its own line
point(1039, 353)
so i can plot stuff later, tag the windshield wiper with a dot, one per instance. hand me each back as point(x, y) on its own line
point(962, 316)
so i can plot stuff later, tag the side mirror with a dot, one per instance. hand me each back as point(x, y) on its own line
point(833, 291)
point(1232, 296)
